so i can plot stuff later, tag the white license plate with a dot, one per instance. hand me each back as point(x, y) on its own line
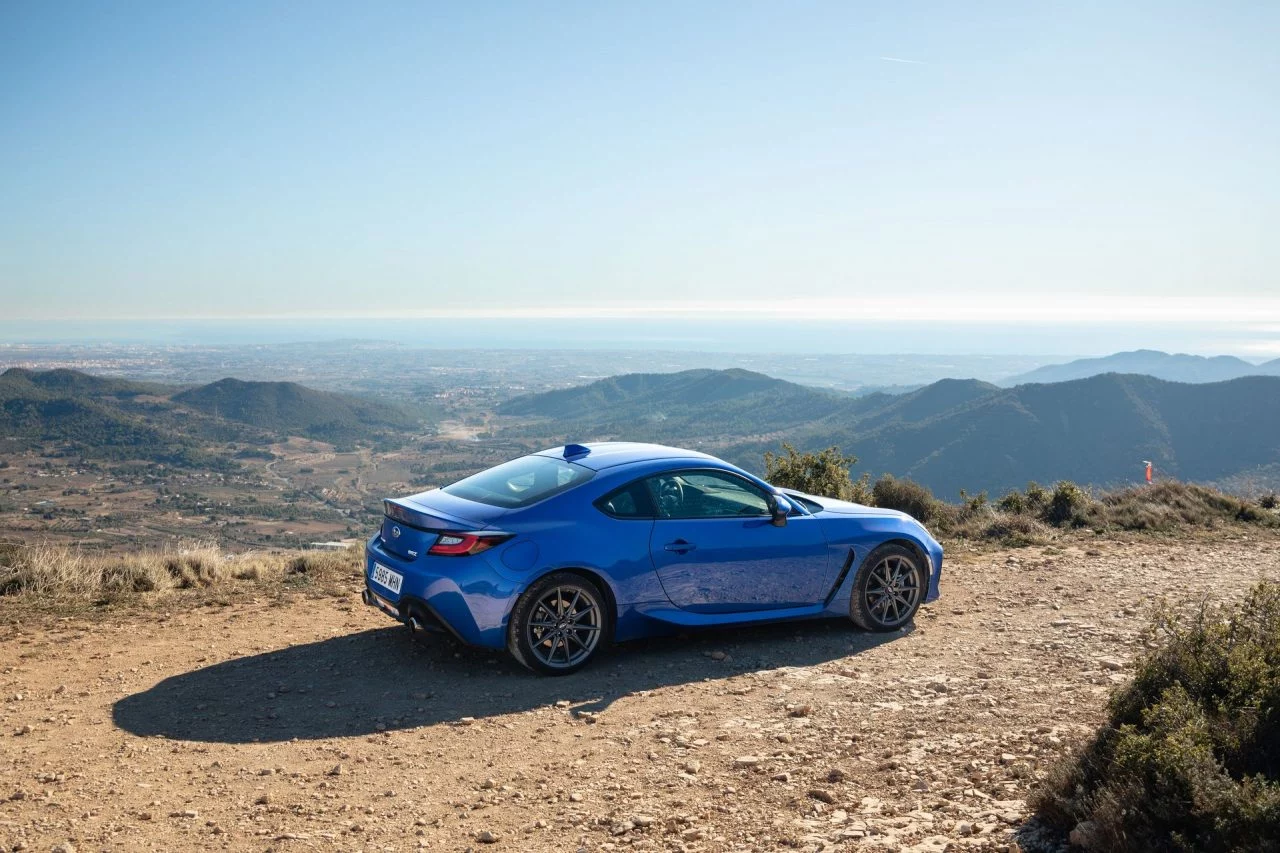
point(385, 577)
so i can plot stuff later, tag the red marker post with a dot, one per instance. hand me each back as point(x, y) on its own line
point(1148, 464)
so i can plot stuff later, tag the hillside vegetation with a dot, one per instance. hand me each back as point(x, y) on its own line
point(291, 409)
point(951, 435)
point(670, 406)
point(68, 413)
point(1023, 516)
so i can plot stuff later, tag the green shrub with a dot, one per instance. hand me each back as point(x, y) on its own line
point(825, 474)
point(1014, 502)
point(1067, 505)
point(1189, 757)
point(907, 496)
point(1271, 501)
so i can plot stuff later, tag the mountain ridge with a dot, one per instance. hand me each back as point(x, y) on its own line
point(956, 434)
point(1172, 367)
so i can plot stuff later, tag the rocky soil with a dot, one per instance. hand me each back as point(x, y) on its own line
point(317, 724)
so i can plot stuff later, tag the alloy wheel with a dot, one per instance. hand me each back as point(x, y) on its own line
point(564, 627)
point(892, 590)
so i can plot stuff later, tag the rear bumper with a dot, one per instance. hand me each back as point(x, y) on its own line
point(462, 595)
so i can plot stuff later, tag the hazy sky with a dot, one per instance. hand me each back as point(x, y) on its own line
point(933, 161)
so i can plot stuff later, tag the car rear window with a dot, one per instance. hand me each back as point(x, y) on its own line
point(520, 482)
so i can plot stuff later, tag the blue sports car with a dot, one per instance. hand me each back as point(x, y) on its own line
point(554, 554)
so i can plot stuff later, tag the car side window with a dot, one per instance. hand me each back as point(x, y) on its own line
point(630, 501)
point(706, 494)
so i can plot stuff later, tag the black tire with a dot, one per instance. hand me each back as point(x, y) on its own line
point(891, 585)
point(559, 624)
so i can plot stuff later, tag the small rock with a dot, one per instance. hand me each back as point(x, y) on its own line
point(746, 762)
point(718, 655)
point(263, 799)
point(575, 797)
point(335, 770)
point(643, 820)
point(65, 847)
point(784, 777)
point(692, 767)
point(1085, 835)
point(1112, 663)
point(802, 711)
point(486, 837)
point(822, 795)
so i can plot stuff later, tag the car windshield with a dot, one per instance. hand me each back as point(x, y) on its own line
point(520, 482)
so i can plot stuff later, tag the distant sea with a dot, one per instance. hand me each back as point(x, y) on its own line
point(710, 335)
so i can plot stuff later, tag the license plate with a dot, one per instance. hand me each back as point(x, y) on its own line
point(385, 577)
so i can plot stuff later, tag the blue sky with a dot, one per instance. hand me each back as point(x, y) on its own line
point(1046, 163)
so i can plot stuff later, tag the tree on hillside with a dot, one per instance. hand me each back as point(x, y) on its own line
point(825, 473)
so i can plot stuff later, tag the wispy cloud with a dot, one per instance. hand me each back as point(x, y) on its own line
point(899, 59)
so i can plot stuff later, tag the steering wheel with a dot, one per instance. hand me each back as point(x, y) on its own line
point(670, 496)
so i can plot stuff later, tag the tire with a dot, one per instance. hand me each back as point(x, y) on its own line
point(891, 586)
point(559, 624)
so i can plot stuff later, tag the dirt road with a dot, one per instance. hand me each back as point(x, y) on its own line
point(316, 724)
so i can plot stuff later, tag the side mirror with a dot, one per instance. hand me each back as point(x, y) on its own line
point(779, 508)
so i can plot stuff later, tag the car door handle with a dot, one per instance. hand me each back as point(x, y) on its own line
point(680, 546)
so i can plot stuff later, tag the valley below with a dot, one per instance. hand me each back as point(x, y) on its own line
point(310, 722)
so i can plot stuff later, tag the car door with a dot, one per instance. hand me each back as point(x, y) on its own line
point(715, 547)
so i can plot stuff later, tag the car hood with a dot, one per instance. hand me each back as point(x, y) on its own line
point(848, 507)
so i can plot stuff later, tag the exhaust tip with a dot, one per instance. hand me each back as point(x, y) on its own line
point(415, 625)
point(364, 596)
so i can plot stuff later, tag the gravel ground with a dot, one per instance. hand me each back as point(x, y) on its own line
point(318, 724)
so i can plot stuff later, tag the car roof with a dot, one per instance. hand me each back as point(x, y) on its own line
point(609, 454)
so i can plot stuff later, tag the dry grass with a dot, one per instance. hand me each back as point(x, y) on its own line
point(50, 573)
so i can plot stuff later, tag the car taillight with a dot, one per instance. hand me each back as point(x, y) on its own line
point(455, 544)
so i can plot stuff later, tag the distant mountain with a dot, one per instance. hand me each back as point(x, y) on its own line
point(1177, 367)
point(75, 413)
point(292, 409)
point(100, 418)
point(1097, 430)
point(692, 402)
point(950, 435)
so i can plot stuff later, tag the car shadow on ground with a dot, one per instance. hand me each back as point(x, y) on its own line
point(383, 680)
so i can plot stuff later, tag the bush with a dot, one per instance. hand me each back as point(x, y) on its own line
point(1189, 758)
point(1271, 501)
point(1067, 505)
point(909, 497)
point(825, 474)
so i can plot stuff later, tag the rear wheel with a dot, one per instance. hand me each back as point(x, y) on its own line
point(889, 590)
point(557, 626)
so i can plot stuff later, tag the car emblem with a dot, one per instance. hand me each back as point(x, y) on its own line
point(395, 533)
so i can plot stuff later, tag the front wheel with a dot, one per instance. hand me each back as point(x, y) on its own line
point(558, 624)
point(889, 590)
